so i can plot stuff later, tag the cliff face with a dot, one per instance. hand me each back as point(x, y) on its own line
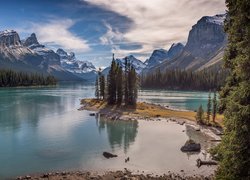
point(32, 40)
point(30, 56)
point(9, 38)
point(206, 37)
point(205, 46)
point(49, 56)
point(160, 55)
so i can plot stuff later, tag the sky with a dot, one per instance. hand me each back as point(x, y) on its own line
point(94, 29)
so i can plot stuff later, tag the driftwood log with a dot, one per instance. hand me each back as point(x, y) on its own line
point(200, 162)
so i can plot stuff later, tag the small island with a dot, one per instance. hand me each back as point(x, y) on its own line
point(142, 110)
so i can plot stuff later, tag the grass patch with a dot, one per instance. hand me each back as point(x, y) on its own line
point(142, 109)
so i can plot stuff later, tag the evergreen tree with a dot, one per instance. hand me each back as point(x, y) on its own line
point(234, 150)
point(9, 78)
point(102, 86)
point(208, 107)
point(214, 107)
point(126, 90)
point(119, 85)
point(200, 115)
point(112, 82)
point(184, 80)
point(97, 91)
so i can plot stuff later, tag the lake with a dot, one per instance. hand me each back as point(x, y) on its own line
point(41, 130)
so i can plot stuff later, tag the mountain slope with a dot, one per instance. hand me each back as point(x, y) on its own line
point(204, 49)
point(83, 69)
point(30, 56)
point(136, 63)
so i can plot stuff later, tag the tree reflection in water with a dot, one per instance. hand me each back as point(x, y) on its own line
point(120, 133)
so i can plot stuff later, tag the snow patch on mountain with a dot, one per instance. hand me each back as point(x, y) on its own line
point(217, 19)
point(136, 63)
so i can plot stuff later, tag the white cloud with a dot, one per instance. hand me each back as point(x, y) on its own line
point(56, 33)
point(111, 37)
point(159, 23)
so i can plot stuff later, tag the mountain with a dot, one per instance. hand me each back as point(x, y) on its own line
point(30, 56)
point(14, 55)
point(206, 37)
point(204, 48)
point(136, 63)
point(160, 55)
point(156, 57)
point(83, 69)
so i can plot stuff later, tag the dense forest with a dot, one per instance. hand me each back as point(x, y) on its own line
point(184, 80)
point(234, 150)
point(9, 78)
point(121, 85)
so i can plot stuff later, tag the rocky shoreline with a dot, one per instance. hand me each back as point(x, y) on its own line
point(112, 114)
point(111, 175)
point(127, 114)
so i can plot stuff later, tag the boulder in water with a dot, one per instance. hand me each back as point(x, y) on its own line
point(191, 146)
point(108, 155)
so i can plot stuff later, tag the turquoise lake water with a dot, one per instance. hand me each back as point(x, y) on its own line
point(41, 130)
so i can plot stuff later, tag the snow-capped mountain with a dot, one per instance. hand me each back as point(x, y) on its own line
point(48, 54)
point(136, 63)
point(30, 56)
point(83, 69)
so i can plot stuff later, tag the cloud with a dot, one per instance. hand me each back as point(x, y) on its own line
point(159, 23)
point(57, 33)
point(111, 37)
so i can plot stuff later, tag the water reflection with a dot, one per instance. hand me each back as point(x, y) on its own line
point(27, 107)
point(120, 133)
point(201, 138)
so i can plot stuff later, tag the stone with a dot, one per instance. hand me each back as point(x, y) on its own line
point(191, 146)
point(108, 155)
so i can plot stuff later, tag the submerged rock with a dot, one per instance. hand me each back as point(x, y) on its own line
point(108, 155)
point(191, 146)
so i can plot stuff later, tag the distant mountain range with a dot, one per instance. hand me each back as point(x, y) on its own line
point(30, 56)
point(204, 50)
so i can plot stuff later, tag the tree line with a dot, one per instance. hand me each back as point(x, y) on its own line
point(9, 78)
point(120, 85)
point(234, 150)
point(185, 80)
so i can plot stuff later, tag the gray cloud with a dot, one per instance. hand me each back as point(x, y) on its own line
point(157, 23)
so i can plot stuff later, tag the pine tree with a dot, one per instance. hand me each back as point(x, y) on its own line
point(234, 150)
point(126, 90)
point(214, 111)
point(200, 115)
point(102, 86)
point(119, 85)
point(97, 91)
point(112, 82)
point(208, 108)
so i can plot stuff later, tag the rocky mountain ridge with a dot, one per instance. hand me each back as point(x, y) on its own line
point(31, 56)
